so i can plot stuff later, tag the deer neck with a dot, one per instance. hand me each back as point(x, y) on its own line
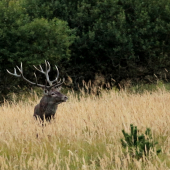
point(51, 106)
point(51, 109)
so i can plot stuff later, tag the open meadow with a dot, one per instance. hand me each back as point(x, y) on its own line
point(86, 133)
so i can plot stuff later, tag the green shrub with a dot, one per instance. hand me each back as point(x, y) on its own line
point(138, 145)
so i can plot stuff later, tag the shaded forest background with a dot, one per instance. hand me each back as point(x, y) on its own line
point(124, 40)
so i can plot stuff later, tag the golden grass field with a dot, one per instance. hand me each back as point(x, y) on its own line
point(85, 134)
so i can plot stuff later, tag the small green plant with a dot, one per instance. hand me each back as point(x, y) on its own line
point(138, 145)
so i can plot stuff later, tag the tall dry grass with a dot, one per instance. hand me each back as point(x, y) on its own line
point(85, 134)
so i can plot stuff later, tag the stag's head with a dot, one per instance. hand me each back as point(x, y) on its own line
point(52, 89)
point(55, 96)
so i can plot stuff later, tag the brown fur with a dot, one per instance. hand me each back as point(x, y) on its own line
point(48, 104)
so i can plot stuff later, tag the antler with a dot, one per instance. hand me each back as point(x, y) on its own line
point(48, 68)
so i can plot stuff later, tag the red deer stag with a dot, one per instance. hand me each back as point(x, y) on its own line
point(52, 97)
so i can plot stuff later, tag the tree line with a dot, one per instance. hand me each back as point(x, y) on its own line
point(120, 39)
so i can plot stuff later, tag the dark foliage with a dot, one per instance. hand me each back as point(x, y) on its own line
point(118, 38)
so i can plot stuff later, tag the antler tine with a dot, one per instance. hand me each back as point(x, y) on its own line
point(56, 79)
point(36, 78)
point(41, 71)
point(20, 69)
point(57, 72)
point(49, 66)
point(58, 84)
point(13, 74)
point(59, 81)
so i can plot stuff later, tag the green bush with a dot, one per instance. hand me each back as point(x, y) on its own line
point(138, 145)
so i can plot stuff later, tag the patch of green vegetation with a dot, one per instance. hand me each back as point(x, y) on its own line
point(141, 88)
point(139, 145)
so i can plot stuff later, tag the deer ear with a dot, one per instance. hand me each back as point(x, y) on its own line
point(58, 88)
